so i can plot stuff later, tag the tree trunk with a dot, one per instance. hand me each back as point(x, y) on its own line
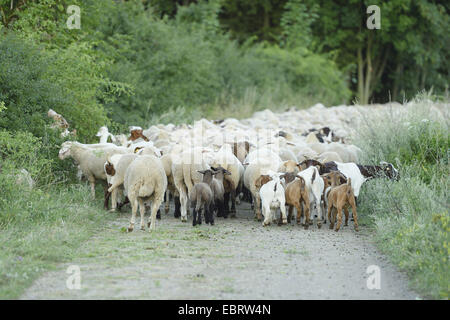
point(360, 76)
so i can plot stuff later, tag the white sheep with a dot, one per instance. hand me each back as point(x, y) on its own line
point(90, 158)
point(145, 179)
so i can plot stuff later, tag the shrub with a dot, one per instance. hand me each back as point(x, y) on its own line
point(411, 216)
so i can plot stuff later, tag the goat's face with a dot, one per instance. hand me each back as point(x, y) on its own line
point(390, 171)
point(288, 177)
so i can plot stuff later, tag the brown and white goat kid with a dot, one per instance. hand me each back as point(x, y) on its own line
point(341, 197)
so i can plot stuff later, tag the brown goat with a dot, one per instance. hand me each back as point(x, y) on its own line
point(262, 180)
point(341, 197)
point(310, 162)
point(295, 194)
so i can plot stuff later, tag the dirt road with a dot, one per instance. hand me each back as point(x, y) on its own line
point(235, 259)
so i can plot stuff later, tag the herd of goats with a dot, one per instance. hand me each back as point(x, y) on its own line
point(297, 158)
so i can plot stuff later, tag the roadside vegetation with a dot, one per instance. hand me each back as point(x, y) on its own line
point(411, 216)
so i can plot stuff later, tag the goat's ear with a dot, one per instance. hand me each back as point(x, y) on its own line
point(227, 172)
point(201, 171)
point(258, 182)
point(214, 169)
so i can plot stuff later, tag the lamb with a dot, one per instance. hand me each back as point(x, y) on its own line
point(341, 197)
point(272, 198)
point(145, 179)
point(217, 187)
point(91, 159)
point(296, 193)
point(202, 199)
point(314, 185)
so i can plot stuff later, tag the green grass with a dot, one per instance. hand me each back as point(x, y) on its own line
point(57, 223)
point(411, 217)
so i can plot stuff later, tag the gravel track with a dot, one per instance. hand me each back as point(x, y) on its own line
point(235, 259)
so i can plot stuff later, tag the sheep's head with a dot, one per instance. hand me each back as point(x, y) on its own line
point(64, 152)
point(221, 169)
point(390, 171)
point(207, 175)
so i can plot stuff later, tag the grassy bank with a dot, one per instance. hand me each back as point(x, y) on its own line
point(48, 229)
point(411, 217)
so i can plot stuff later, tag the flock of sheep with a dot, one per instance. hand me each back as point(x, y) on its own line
point(298, 158)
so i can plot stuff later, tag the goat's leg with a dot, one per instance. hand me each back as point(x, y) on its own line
point(267, 215)
point(142, 212)
point(319, 217)
point(125, 201)
point(329, 216)
point(291, 208)
point(355, 216)
point(346, 216)
point(307, 215)
point(339, 219)
point(283, 216)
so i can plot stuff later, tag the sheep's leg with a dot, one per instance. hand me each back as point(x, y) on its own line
point(194, 220)
point(106, 196)
point(134, 206)
point(167, 202)
point(113, 200)
point(156, 203)
point(233, 203)
point(339, 219)
point(226, 200)
point(177, 212)
point(183, 202)
point(199, 216)
point(92, 182)
point(142, 212)
point(258, 207)
point(211, 214)
point(206, 210)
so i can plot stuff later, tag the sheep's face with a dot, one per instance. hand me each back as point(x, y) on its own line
point(64, 152)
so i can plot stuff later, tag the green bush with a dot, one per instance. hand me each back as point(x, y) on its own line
point(411, 216)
